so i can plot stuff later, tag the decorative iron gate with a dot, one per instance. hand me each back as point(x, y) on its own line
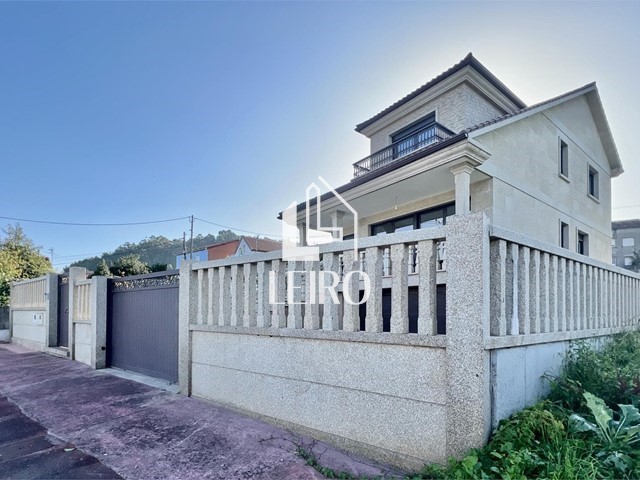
point(63, 311)
point(142, 324)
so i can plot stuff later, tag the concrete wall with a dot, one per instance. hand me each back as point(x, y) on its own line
point(619, 250)
point(384, 400)
point(29, 328)
point(516, 376)
point(83, 342)
point(530, 197)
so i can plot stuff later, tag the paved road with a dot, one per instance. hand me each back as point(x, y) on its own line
point(27, 451)
point(142, 432)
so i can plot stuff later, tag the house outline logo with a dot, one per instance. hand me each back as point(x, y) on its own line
point(313, 237)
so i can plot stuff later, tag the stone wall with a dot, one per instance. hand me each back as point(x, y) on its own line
point(386, 400)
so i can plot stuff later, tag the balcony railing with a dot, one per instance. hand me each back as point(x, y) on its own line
point(430, 135)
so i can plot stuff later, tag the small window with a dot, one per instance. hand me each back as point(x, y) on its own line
point(592, 183)
point(628, 261)
point(564, 235)
point(564, 159)
point(583, 243)
point(613, 242)
point(628, 242)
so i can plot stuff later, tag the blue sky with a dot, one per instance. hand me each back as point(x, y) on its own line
point(126, 112)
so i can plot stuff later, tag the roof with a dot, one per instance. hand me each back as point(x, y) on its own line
point(557, 99)
point(262, 244)
point(229, 248)
point(468, 61)
point(407, 159)
point(622, 224)
point(590, 90)
point(222, 250)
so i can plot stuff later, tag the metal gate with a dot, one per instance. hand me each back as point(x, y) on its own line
point(142, 324)
point(63, 311)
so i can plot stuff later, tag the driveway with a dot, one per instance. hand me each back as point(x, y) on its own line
point(143, 432)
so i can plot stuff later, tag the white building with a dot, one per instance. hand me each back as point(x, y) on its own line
point(464, 142)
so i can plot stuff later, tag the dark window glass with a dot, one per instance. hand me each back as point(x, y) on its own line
point(564, 159)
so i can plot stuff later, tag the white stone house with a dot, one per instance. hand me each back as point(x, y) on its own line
point(464, 142)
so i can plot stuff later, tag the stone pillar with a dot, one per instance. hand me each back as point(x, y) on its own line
point(51, 313)
point(468, 369)
point(99, 321)
point(187, 308)
point(462, 181)
point(75, 274)
point(302, 231)
point(336, 223)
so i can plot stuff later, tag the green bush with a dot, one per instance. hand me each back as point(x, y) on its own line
point(611, 373)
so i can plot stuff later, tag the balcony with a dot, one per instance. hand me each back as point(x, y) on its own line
point(426, 137)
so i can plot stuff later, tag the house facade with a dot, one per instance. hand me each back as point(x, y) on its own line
point(625, 241)
point(241, 246)
point(464, 143)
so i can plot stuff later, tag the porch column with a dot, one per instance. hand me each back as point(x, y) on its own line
point(302, 231)
point(462, 181)
point(336, 223)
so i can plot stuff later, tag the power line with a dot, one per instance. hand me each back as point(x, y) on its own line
point(237, 229)
point(77, 224)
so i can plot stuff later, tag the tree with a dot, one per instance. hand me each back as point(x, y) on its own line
point(129, 265)
point(20, 259)
point(635, 261)
point(103, 269)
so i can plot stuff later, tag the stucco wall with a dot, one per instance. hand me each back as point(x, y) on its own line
point(457, 109)
point(30, 328)
point(530, 196)
point(384, 399)
point(83, 342)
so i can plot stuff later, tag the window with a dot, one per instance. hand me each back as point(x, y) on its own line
point(413, 136)
point(428, 218)
point(613, 242)
point(564, 235)
point(628, 242)
point(564, 159)
point(583, 243)
point(628, 261)
point(592, 183)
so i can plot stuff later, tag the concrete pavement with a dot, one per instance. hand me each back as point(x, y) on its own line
point(143, 432)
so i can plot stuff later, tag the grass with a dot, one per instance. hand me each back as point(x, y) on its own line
point(539, 441)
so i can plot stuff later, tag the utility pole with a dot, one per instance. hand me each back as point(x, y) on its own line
point(191, 254)
point(184, 245)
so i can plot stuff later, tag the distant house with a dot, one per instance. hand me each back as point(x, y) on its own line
point(625, 240)
point(242, 246)
point(199, 256)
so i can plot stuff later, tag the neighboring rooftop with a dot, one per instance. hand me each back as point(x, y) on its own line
point(468, 61)
point(221, 250)
point(622, 224)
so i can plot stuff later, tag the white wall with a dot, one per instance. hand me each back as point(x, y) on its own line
point(30, 328)
point(530, 197)
point(83, 342)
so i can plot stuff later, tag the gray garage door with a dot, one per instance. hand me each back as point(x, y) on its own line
point(142, 324)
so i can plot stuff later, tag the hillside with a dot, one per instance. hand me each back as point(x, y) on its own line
point(155, 249)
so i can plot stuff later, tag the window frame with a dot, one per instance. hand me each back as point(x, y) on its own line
point(633, 241)
point(563, 159)
point(585, 242)
point(593, 172)
point(564, 235)
point(415, 216)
